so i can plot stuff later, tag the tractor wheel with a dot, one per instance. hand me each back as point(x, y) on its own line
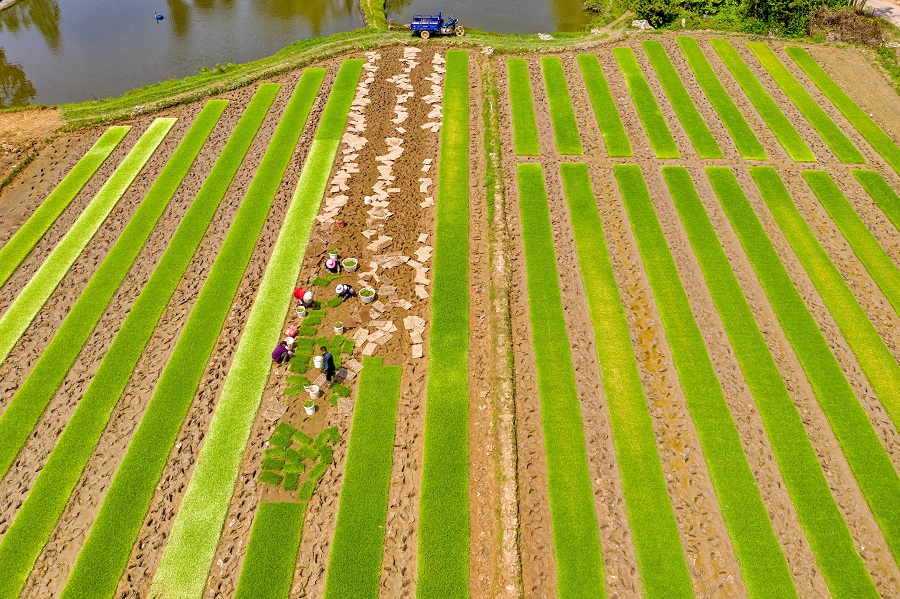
point(460, 31)
point(425, 35)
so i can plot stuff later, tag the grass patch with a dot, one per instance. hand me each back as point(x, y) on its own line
point(341, 390)
point(822, 522)
point(320, 282)
point(605, 110)
point(311, 321)
point(525, 133)
point(354, 566)
point(787, 136)
point(842, 147)
point(306, 490)
point(195, 534)
point(109, 543)
point(855, 115)
point(26, 407)
point(20, 245)
point(443, 552)
point(878, 264)
point(334, 302)
point(268, 568)
point(576, 540)
point(763, 565)
point(565, 128)
point(744, 138)
point(869, 461)
point(272, 478)
point(655, 126)
point(876, 360)
point(701, 137)
point(37, 291)
point(881, 193)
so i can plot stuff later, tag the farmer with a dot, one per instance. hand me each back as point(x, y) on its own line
point(344, 291)
point(282, 354)
point(308, 299)
point(332, 266)
point(299, 292)
point(328, 365)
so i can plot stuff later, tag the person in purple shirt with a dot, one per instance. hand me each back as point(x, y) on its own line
point(282, 354)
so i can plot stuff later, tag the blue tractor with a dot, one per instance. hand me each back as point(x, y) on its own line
point(428, 25)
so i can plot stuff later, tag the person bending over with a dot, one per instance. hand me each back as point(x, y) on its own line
point(282, 354)
point(345, 291)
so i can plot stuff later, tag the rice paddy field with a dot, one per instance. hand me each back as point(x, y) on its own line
point(634, 331)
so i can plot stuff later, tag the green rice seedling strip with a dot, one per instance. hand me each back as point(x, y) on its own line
point(763, 565)
point(20, 245)
point(565, 128)
point(195, 534)
point(822, 522)
point(701, 137)
point(882, 193)
point(661, 560)
point(787, 136)
point(605, 110)
point(867, 457)
point(658, 132)
point(30, 401)
point(525, 131)
point(879, 265)
point(576, 537)
point(354, 567)
point(37, 291)
point(744, 138)
point(41, 509)
point(876, 360)
point(268, 568)
point(99, 567)
point(443, 552)
point(877, 138)
point(842, 147)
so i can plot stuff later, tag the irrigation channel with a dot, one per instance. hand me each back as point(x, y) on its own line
point(626, 323)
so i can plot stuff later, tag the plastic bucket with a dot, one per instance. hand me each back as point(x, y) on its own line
point(314, 392)
point(318, 361)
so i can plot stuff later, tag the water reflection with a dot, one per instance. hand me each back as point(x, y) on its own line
point(180, 17)
point(42, 15)
point(15, 88)
point(315, 13)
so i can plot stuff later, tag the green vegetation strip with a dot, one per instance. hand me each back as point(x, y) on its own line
point(879, 265)
point(701, 137)
point(576, 537)
point(109, 542)
point(268, 568)
point(867, 457)
point(30, 401)
point(565, 128)
point(762, 561)
point(525, 131)
point(658, 133)
point(20, 245)
point(882, 194)
point(605, 110)
point(857, 117)
point(842, 147)
point(660, 556)
point(744, 138)
point(37, 291)
point(195, 534)
point(787, 136)
point(354, 567)
point(443, 552)
point(882, 370)
point(825, 528)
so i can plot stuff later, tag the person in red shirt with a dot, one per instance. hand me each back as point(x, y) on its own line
point(299, 292)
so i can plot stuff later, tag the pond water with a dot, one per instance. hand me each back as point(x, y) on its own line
point(53, 52)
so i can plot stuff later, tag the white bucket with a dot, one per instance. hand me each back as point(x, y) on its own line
point(339, 329)
point(350, 264)
point(318, 361)
point(310, 410)
point(314, 392)
point(333, 256)
point(367, 200)
point(367, 299)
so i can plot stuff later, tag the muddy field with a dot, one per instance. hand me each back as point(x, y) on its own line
point(511, 536)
